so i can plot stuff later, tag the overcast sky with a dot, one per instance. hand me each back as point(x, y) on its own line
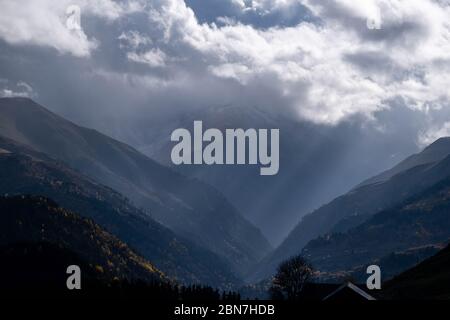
point(383, 62)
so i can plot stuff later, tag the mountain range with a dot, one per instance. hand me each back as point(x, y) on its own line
point(420, 221)
point(317, 163)
point(25, 171)
point(356, 215)
point(192, 209)
point(175, 223)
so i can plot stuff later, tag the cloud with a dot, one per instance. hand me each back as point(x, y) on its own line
point(44, 22)
point(153, 58)
point(139, 49)
point(20, 89)
point(335, 60)
point(432, 134)
point(257, 13)
point(134, 40)
point(329, 70)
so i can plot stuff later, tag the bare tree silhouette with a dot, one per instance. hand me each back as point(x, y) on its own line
point(290, 279)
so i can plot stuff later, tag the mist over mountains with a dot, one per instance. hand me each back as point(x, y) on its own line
point(317, 163)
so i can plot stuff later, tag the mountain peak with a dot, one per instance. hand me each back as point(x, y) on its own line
point(443, 142)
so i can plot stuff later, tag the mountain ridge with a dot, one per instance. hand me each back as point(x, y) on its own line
point(189, 207)
point(419, 221)
point(433, 153)
point(24, 171)
point(34, 219)
point(358, 205)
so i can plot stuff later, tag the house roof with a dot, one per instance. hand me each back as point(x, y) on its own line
point(351, 286)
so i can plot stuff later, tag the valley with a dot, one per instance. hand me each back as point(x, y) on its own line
point(193, 234)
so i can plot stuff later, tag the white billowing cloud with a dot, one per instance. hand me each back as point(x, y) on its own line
point(432, 134)
point(109, 9)
point(153, 58)
point(265, 7)
point(44, 22)
point(239, 3)
point(269, 5)
point(138, 45)
point(134, 40)
point(327, 70)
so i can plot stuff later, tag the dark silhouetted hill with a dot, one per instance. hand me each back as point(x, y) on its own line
point(426, 281)
point(24, 171)
point(41, 223)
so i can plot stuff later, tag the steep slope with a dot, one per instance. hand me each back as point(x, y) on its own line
point(428, 280)
point(24, 171)
point(187, 206)
point(34, 220)
point(431, 154)
point(422, 220)
point(393, 264)
point(355, 207)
